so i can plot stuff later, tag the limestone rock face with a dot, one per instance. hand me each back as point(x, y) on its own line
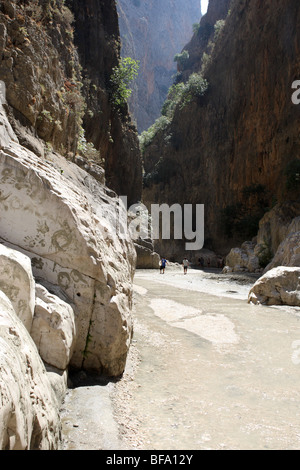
point(243, 133)
point(217, 10)
point(147, 258)
point(53, 329)
point(55, 68)
point(288, 253)
point(29, 418)
point(17, 282)
point(243, 259)
point(278, 286)
point(111, 130)
point(38, 59)
point(276, 224)
point(65, 221)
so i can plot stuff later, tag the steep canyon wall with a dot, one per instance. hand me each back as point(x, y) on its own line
point(66, 272)
point(230, 148)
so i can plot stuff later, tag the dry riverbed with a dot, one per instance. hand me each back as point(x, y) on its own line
point(206, 370)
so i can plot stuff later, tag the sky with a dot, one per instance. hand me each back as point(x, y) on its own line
point(204, 4)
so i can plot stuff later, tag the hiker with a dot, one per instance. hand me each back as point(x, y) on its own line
point(162, 265)
point(185, 265)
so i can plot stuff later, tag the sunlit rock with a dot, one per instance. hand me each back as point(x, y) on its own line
point(17, 282)
point(29, 418)
point(53, 329)
point(279, 286)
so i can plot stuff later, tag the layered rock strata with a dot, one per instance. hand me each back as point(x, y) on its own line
point(60, 228)
point(63, 220)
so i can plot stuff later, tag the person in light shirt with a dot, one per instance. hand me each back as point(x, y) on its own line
point(185, 265)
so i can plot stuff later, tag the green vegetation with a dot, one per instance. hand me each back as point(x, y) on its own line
point(195, 87)
point(147, 136)
point(87, 149)
point(179, 96)
point(45, 115)
point(196, 28)
point(182, 58)
point(218, 29)
point(173, 99)
point(212, 38)
point(121, 78)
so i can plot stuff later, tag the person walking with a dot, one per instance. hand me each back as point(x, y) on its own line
point(185, 265)
point(162, 265)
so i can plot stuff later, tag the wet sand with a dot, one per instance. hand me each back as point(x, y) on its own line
point(206, 370)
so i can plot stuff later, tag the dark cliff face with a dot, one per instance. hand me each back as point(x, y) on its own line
point(199, 44)
point(153, 31)
point(111, 131)
point(39, 66)
point(56, 59)
point(231, 149)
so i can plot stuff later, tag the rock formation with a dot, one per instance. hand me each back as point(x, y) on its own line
point(243, 259)
point(56, 65)
point(147, 258)
point(56, 218)
point(231, 148)
point(78, 253)
point(276, 244)
point(29, 418)
point(153, 32)
point(279, 286)
point(16, 281)
point(53, 328)
point(110, 130)
point(67, 259)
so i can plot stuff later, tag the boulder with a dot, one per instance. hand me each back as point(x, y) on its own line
point(146, 258)
point(67, 224)
point(275, 225)
point(279, 286)
point(17, 282)
point(53, 328)
point(288, 252)
point(29, 412)
point(243, 259)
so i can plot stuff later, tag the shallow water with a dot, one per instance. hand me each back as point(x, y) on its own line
point(215, 372)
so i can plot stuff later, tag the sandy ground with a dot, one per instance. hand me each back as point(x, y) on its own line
point(98, 414)
point(243, 354)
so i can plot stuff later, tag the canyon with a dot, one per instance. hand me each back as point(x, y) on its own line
point(232, 145)
point(66, 273)
point(153, 32)
point(227, 138)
